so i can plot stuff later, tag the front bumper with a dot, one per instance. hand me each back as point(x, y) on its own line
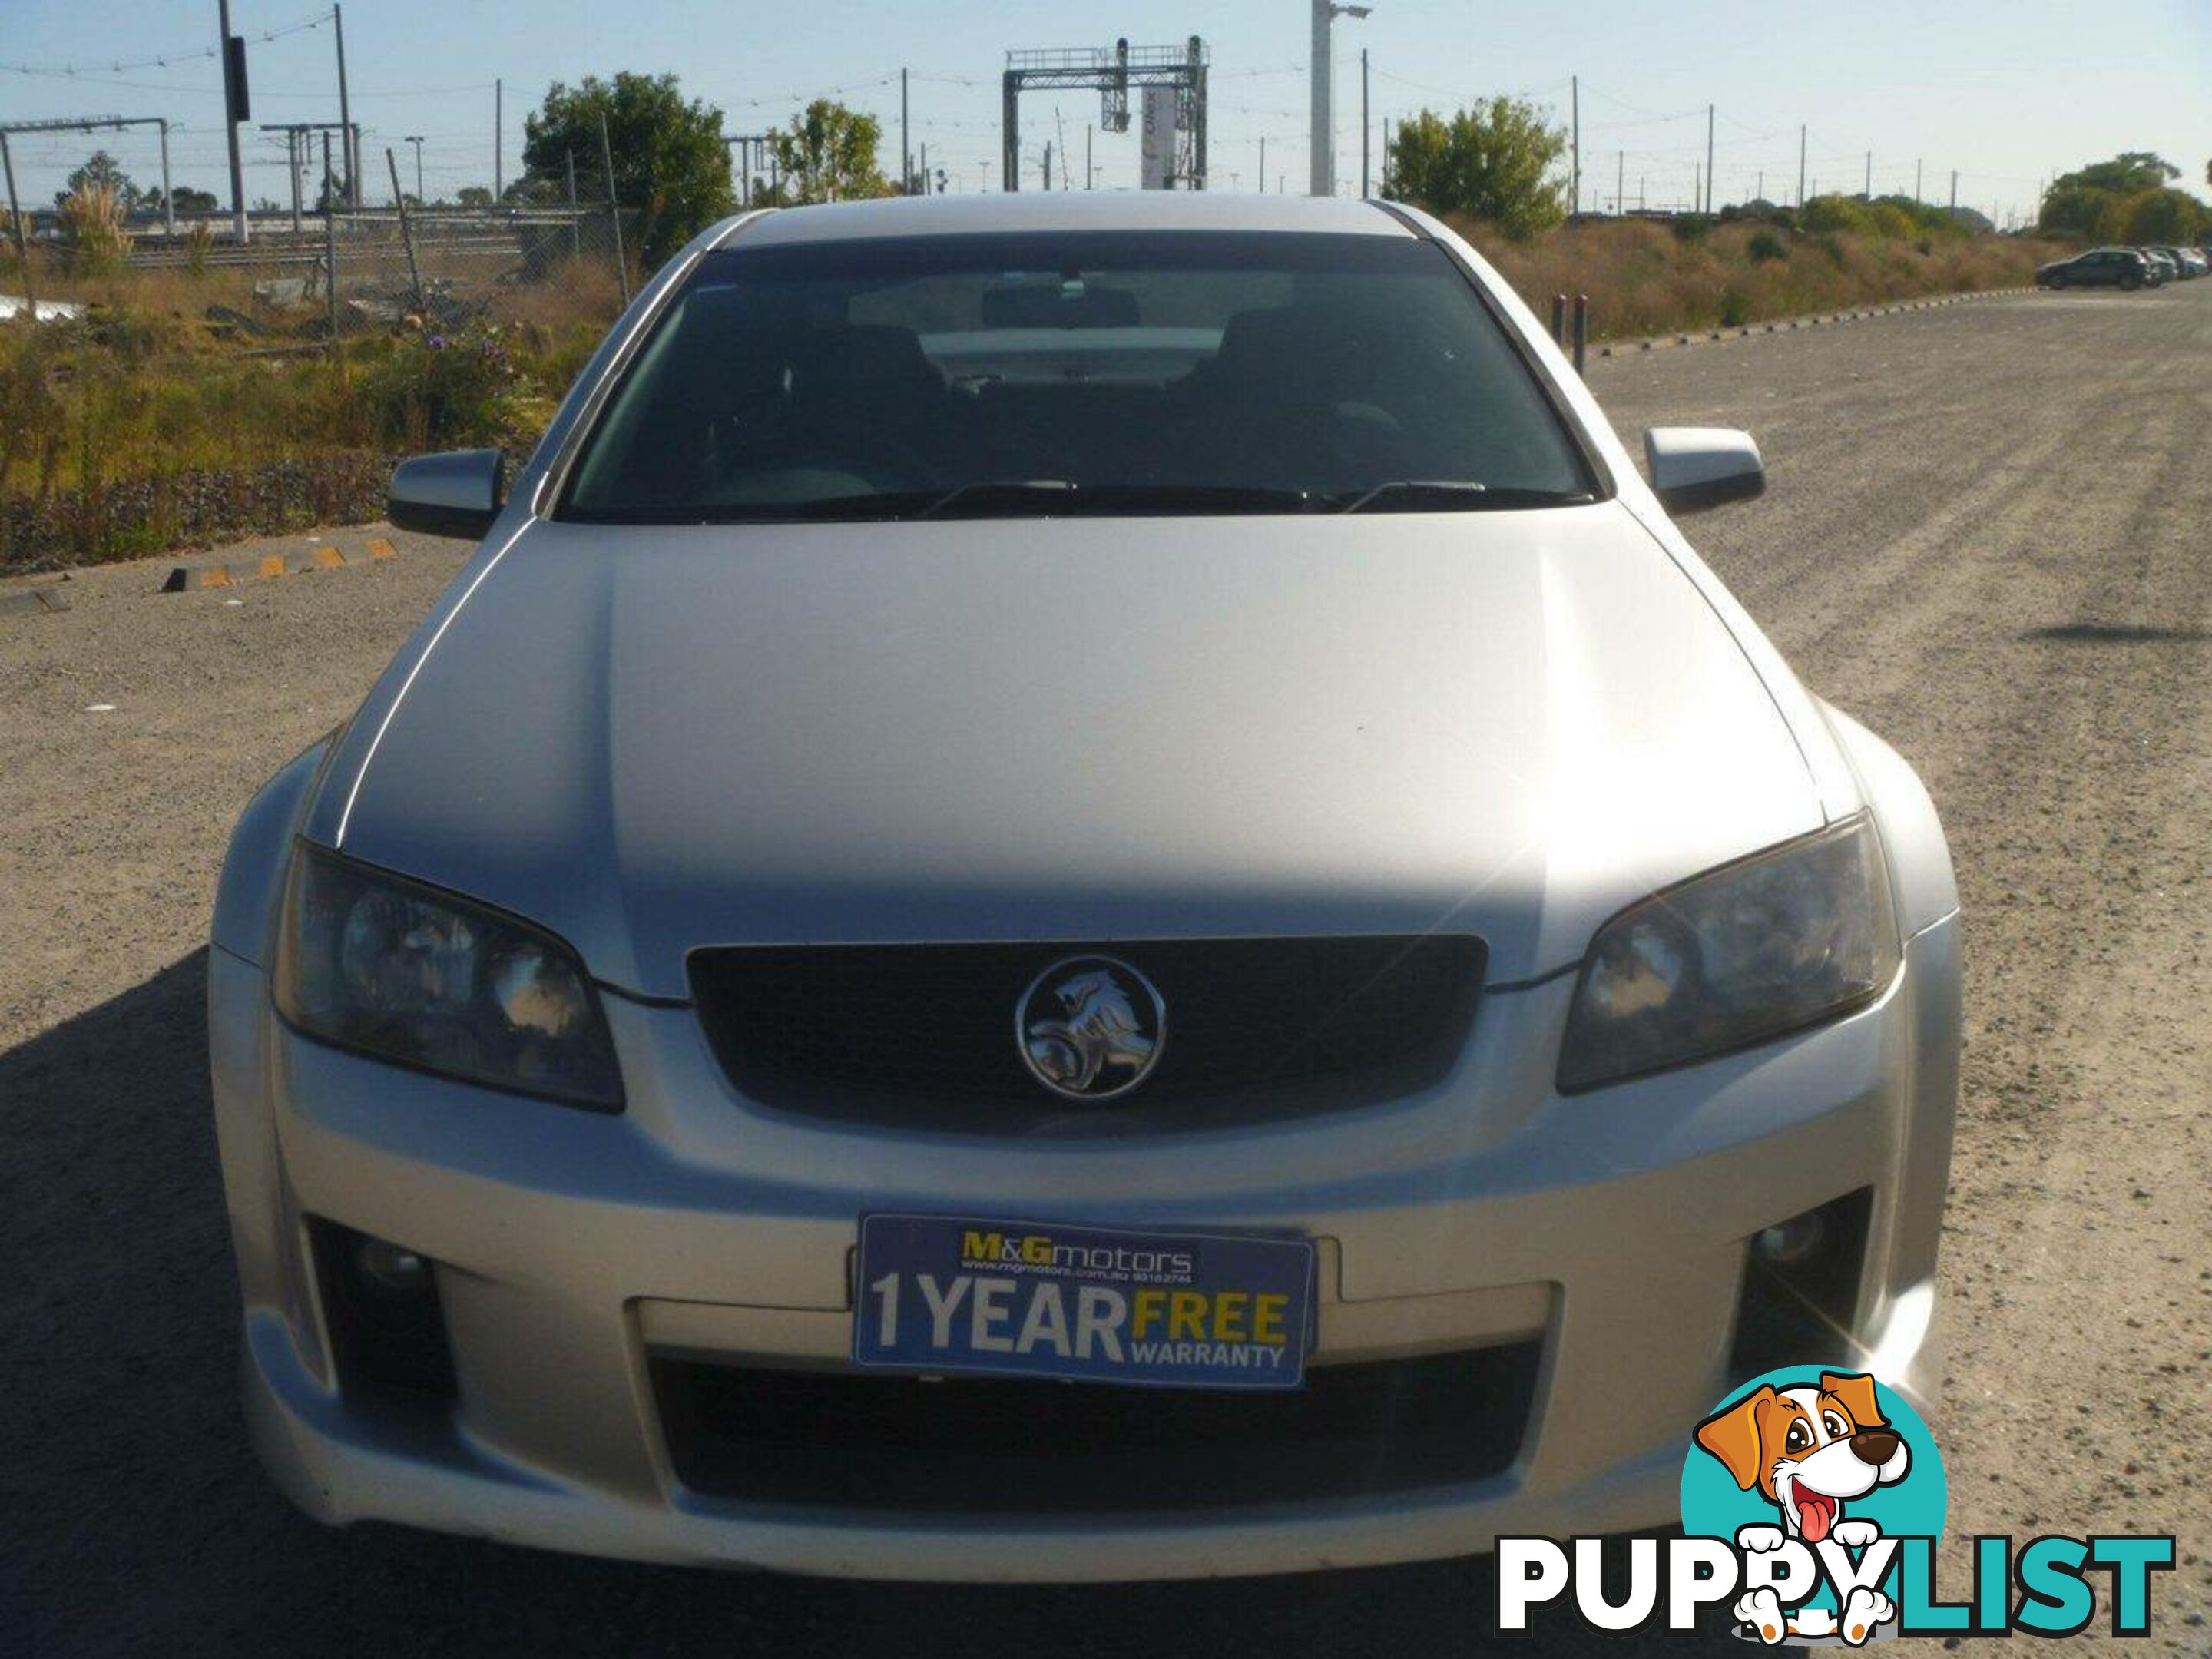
point(1612, 1227)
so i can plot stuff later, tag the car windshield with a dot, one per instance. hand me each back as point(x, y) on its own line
point(1047, 374)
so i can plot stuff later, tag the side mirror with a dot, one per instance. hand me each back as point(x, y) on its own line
point(456, 494)
point(1700, 466)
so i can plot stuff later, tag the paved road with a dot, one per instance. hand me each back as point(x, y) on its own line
point(1986, 537)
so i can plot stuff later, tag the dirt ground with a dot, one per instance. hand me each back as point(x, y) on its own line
point(1986, 537)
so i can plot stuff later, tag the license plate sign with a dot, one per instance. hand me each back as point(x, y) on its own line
point(1191, 1310)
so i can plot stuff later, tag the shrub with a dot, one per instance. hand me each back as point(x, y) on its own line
point(439, 389)
point(92, 218)
point(1735, 307)
point(1765, 245)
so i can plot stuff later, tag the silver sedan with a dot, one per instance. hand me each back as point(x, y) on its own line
point(1081, 887)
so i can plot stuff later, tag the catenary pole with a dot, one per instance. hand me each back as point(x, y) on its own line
point(16, 221)
point(1801, 168)
point(1709, 158)
point(330, 244)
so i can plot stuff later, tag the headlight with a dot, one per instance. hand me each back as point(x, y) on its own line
point(1769, 945)
point(372, 962)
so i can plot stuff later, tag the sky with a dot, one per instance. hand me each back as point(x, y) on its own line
point(2006, 92)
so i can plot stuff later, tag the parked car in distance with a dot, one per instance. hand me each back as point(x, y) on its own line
point(1029, 793)
point(2164, 268)
point(2184, 267)
point(2100, 267)
point(2199, 261)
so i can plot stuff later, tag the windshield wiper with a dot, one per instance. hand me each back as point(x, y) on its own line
point(1458, 495)
point(1063, 497)
point(991, 492)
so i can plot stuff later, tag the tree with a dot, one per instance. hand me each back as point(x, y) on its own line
point(103, 171)
point(473, 196)
point(670, 166)
point(188, 200)
point(2099, 203)
point(2165, 218)
point(829, 155)
point(1494, 163)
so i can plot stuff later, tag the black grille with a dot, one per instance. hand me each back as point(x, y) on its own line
point(929, 1029)
point(984, 1445)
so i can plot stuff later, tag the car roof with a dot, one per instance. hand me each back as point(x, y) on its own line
point(1069, 210)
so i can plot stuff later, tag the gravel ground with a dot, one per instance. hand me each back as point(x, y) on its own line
point(1985, 537)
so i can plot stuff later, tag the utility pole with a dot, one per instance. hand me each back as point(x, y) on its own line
point(1047, 164)
point(1954, 192)
point(1697, 187)
point(1575, 94)
point(906, 142)
point(234, 94)
point(1362, 124)
point(1758, 192)
point(1869, 182)
point(498, 144)
point(168, 194)
point(1090, 174)
point(346, 141)
point(1915, 179)
point(1620, 183)
point(416, 140)
point(1801, 168)
point(1709, 158)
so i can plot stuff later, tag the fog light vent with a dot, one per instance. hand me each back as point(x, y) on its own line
point(381, 1300)
point(1801, 1288)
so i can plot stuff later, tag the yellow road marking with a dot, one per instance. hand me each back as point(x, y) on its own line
point(272, 564)
point(381, 548)
point(329, 557)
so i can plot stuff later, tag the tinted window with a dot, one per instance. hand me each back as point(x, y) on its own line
point(1152, 372)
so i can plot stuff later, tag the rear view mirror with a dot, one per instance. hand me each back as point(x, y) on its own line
point(1699, 466)
point(455, 494)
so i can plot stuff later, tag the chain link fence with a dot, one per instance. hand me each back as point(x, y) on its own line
point(354, 269)
point(164, 390)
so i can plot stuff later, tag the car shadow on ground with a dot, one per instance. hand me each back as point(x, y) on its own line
point(133, 1518)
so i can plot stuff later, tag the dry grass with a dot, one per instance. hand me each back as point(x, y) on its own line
point(182, 409)
point(1644, 279)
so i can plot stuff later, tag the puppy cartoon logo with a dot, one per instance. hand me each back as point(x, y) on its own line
point(1820, 1458)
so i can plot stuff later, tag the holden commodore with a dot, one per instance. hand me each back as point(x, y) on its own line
point(1079, 888)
